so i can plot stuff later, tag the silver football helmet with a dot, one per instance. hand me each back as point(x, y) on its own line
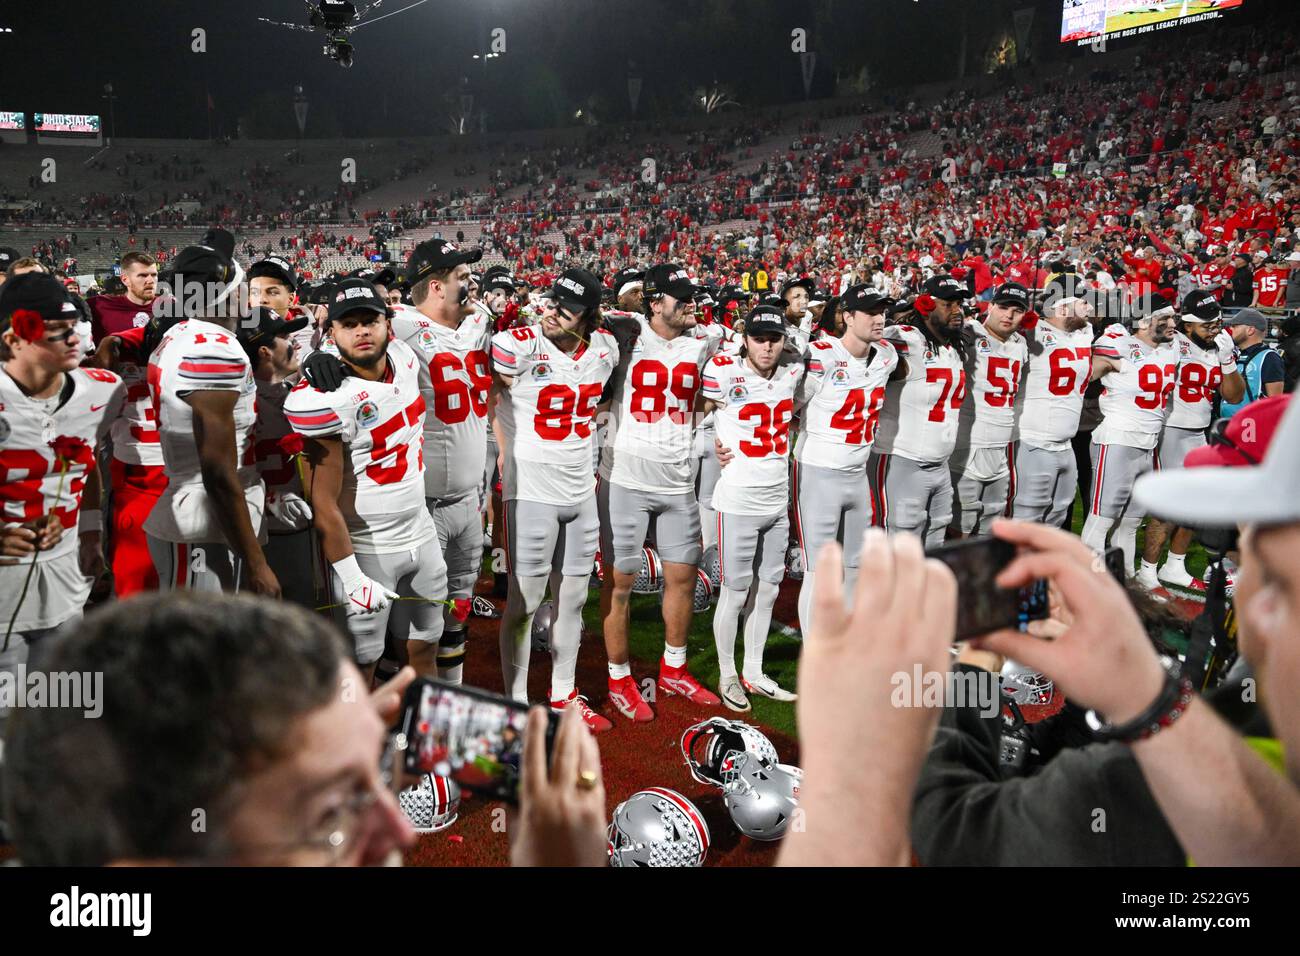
point(1026, 686)
point(657, 827)
point(650, 579)
point(712, 566)
point(432, 805)
point(702, 599)
point(542, 623)
point(794, 563)
point(710, 746)
point(761, 798)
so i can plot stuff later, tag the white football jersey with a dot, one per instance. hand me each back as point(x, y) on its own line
point(993, 370)
point(1051, 398)
point(136, 440)
point(47, 449)
point(753, 420)
point(1134, 398)
point(381, 425)
point(547, 414)
point(842, 397)
point(1199, 378)
point(278, 469)
point(198, 356)
point(456, 377)
point(921, 411)
point(652, 420)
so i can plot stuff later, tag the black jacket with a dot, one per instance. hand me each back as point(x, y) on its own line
point(1088, 806)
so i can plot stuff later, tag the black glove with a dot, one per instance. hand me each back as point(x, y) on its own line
point(324, 371)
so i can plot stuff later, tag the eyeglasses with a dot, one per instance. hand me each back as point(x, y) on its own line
point(1219, 436)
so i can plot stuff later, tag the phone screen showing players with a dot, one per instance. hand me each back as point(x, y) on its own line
point(473, 737)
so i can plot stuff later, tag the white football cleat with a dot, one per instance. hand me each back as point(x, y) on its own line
point(764, 686)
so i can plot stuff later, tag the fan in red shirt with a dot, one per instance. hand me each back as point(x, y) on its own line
point(137, 465)
point(1270, 285)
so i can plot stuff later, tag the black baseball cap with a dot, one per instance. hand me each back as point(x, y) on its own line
point(318, 293)
point(355, 293)
point(766, 320)
point(947, 288)
point(625, 276)
point(864, 298)
point(668, 280)
point(8, 256)
point(800, 283)
point(437, 255)
point(274, 268)
point(263, 325)
point(384, 277)
point(1201, 306)
point(1012, 293)
point(39, 292)
point(499, 280)
point(577, 289)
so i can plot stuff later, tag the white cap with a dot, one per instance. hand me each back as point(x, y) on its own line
point(1224, 496)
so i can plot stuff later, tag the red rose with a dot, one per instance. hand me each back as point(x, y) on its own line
point(291, 444)
point(68, 448)
point(28, 325)
point(460, 609)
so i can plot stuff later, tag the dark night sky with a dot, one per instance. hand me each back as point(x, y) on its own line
point(561, 54)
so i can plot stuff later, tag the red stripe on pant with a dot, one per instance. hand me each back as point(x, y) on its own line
point(181, 566)
point(136, 489)
point(882, 471)
point(1097, 480)
point(1008, 511)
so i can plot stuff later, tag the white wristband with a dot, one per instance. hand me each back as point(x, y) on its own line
point(91, 522)
point(349, 573)
point(1228, 368)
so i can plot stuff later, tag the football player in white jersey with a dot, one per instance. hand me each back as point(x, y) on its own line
point(1044, 472)
point(498, 303)
point(1138, 370)
point(918, 427)
point(53, 417)
point(204, 531)
point(705, 464)
point(453, 337)
point(291, 546)
point(364, 469)
point(986, 430)
point(646, 480)
point(1207, 365)
point(841, 398)
point(550, 378)
point(753, 396)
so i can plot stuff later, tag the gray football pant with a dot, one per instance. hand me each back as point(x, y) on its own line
point(914, 496)
point(831, 505)
point(752, 544)
point(417, 574)
point(1042, 483)
point(626, 516)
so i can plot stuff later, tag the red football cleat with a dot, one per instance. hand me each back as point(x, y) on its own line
point(595, 723)
point(625, 695)
point(678, 680)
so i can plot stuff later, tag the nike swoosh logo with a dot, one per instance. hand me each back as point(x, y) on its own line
point(95, 408)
